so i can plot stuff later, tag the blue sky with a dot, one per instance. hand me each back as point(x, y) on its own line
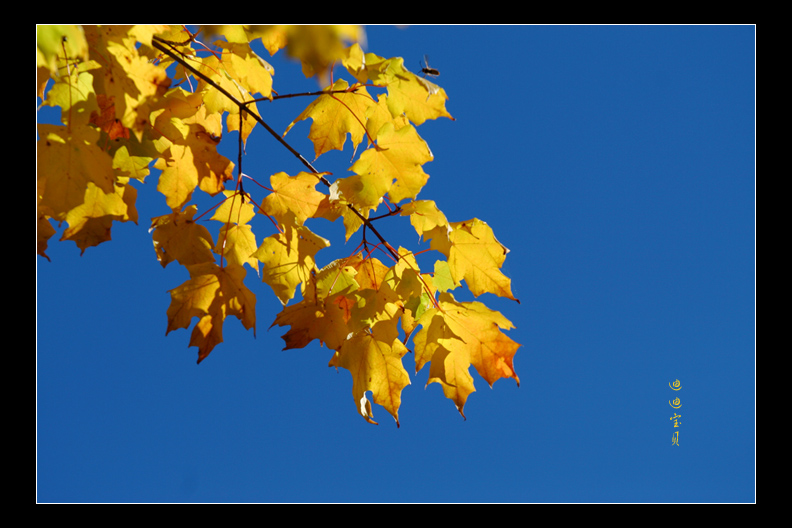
point(617, 163)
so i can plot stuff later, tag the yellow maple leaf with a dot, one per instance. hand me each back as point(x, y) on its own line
point(394, 169)
point(319, 46)
point(75, 95)
point(90, 222)
point(476, 256)
point(323, 313)
point(237, 244)
point(288, 259)
point(190, 163)
point(211, 294)
point(293, 198)
point(451, 371)
point(336, 115)
point(177, 237)
point(375, 362)
point(236, 208)
point(458, 334)
point(68, 160)
point(247, 68)
point(131, 79)
point(408, 94)
point(419, 99)
point(429, 221)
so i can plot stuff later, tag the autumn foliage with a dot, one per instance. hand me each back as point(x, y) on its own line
point(137, 97)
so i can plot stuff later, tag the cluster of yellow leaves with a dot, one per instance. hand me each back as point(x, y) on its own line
point(120, 114)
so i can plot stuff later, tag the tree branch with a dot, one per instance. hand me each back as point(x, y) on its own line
point(162, 46)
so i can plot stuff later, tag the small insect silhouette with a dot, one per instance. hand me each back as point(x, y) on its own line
point(427, 70)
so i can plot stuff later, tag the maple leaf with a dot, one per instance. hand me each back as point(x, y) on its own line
point(44, 231)
point(458, 334)
point(177, 237)
point(129, 78)
point(247, 68)
point(242, 73)
point(90, 222)
point(375, 362)
point(429, 222)
point(293, 198)
point(74, 93)
point(334, 116)
point(189, 163)
point(216, 102)
point(335, 205)
point(212, 293)
point(68, 161)
point(476, 256)
point(236, 208)
point(394, 169)
point(408, 94)
point(106, 119)
point(236, 241)
point(380, 304)
point(129, 165)
point(52, 41)
point(322, 314)
point(317, 47)
point(288, 259)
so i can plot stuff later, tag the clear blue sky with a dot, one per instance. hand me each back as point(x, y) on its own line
point(618, 166)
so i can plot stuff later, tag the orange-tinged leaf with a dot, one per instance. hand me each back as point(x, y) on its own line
point(44, 231)
point(376, 365)
point(321, 314)
point(475, 255)
point(461, 333)
point(212, 293)
point(106, 119)
point(294, 198)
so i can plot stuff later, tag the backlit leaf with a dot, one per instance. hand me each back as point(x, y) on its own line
point(211, 294)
